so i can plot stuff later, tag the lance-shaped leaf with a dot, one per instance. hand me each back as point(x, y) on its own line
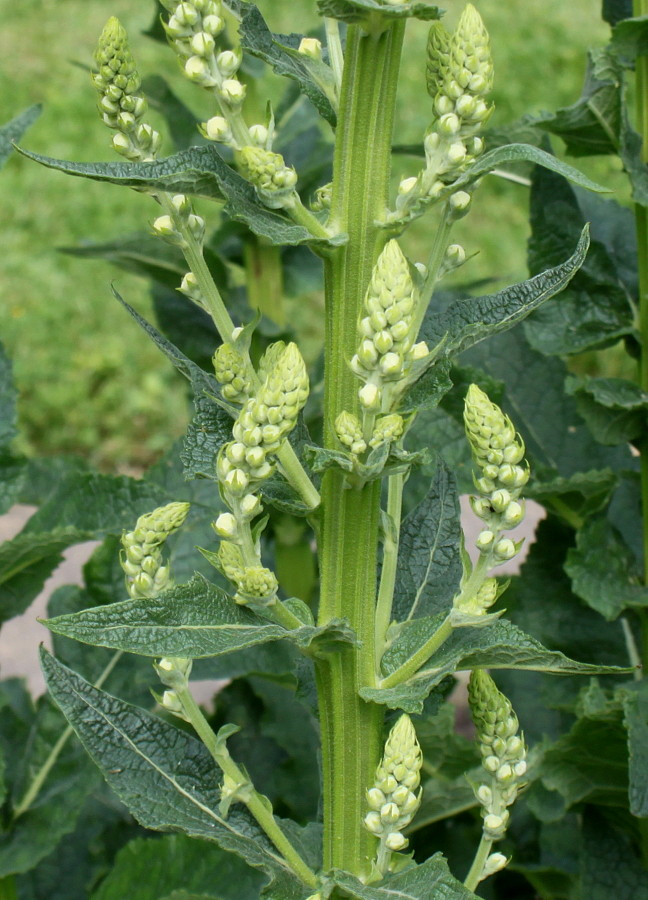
point(165, 777)
point(432, 880)
point(500, 646)
point(604, 571)
point(282, 53)
point(153, 868)
point(191, 620)
point(429, 560)
point(359, 10)
point(466, 322)
point(13, 130)
point(615, 410)
point(199, 171)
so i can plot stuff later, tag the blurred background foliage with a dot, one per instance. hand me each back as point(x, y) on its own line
point(90, 382)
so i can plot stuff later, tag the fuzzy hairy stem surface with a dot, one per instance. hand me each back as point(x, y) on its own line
point(352, 729)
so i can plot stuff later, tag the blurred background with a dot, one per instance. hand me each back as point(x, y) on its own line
point(90, 382)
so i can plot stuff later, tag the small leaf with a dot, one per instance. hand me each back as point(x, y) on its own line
point(432, 879)
point(13, 130)
point(604, 571)
point(615, 410)
point(429, 561)
point(360, 10)
point(500, 646)
point(165, 777)
point(199, 171)
point(192, 621)
point(154, 868)
point(281, 52)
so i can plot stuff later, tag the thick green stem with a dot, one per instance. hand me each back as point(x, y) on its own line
point(255, 802)
point(474, 876)
point(351, 729)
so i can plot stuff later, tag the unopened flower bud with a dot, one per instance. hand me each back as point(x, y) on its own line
point(217, 129)
point(232, 91)
point(311, 47)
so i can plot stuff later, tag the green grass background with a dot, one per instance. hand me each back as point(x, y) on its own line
point(89, 381)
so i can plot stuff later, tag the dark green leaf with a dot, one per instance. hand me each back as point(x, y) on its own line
point(200, 171)
point(153, 868)
point(192, 621)
point(360, 10)
point(12, 131)
point(635, 709)
point(431, 880)
point(500, 646)
point(13, 475)
point(580, 495)
point(596, 308)
point(630, 38)
point(609, 866)
point(27, 561)
point(603, 570)
point(186, 325)
point(429, 561)
point(165, 777)
point(615, 10)
point(428, 390)
point(592, 125)
point(140, 253)
point(281, 52)
point(615, 410)
point(95, 505)
point(7, 401)
point(466, 322)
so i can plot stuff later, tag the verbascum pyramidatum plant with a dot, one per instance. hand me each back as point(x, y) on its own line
point(312, 581)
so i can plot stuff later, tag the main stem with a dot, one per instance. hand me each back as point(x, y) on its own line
point(352, 729)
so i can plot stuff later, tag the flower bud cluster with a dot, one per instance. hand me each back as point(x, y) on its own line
point(254, 583)
point(393, 800)
point(349, 433)
point(141, 556)
point(497, 451)
point(174, 673)
point(459, 76)
point(173, 227)
point(121, 108)
point(502, 749)
point(387, 430)
point(232, 371)
point(387, 349)
point(273, 180)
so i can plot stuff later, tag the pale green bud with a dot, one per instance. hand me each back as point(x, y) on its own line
point(164, 227)
point(197, 70)
point(349, 432)
point(370, 397)
point(256, 583)
point(311, 47)
point(232, 371)
point(407, 185)
point(485, 540)
point(455, 256)
point(387, 430)
point(396, 841)
point(420, 350)
point(267, 171)
point(260, 136)
point(217, 129)
point(373, 822)
point(495, 863)
point(504, 549)
point(171, 702)
point(438, 57)
point(202, 44)
point(232, 91)
point(250, 506)
point(225, 526)
point(513, 514)
point(449, 124)
point(375, 798)
point(459, 203)
point(228, 62)
point(213, 24)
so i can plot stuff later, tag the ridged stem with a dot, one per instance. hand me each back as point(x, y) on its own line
point(352, 729)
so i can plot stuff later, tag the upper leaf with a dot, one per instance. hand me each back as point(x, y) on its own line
point(15, 129)
point(199, 171)
point(432, 880)
point(281, 52)
point(615, 410)
point(429, 561)
point(165, 777)
point(500, 646)
point(360, 10)
point(191, 621)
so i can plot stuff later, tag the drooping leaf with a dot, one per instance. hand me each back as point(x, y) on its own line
point(604, 571)
point(500, 646)
point(281, 52)
point(431, 880)
point(13, 130)
point(429, 561)
point(192, 621)
point(615, 410)
point(154, 868)
point(360, 10)
point(199, 171)
point(164, 776)
point(635, 712)
point(596, 308)
point(469, 321)
point(27, 561)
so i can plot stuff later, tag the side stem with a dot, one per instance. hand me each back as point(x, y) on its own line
point(352, 729)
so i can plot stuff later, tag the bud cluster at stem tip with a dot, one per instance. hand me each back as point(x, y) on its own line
point(387, 349)
point(393, 799)
point(141, 557)
point(497, 451)
point(502, 749)
point(121, 107)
